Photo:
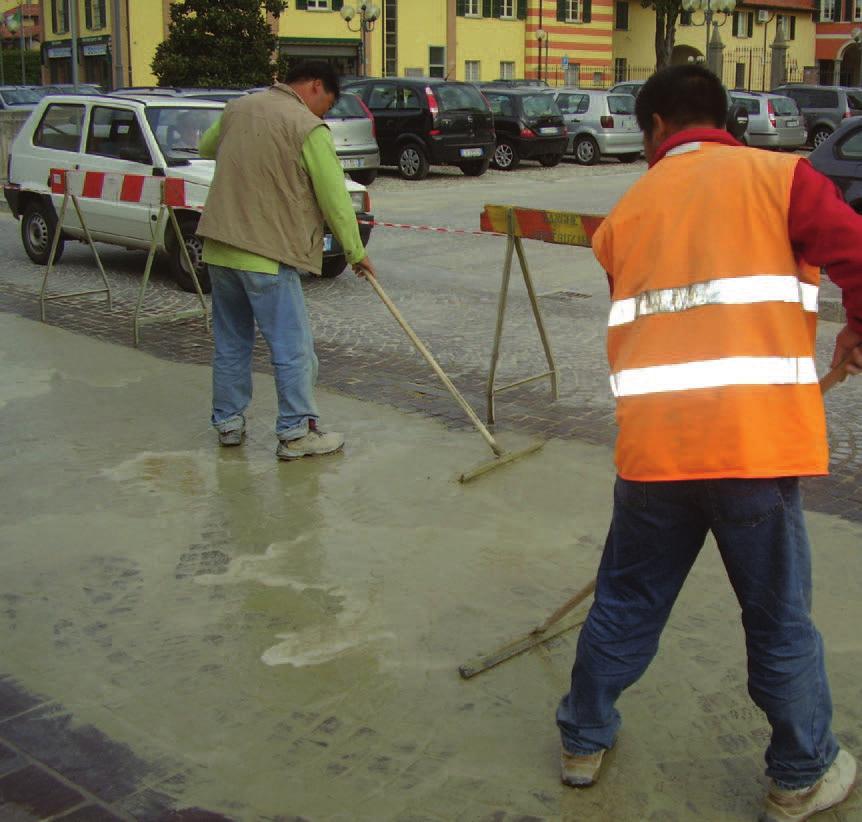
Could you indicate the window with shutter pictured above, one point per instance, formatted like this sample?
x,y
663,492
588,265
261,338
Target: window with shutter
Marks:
x,y
522,9
621,21
750,27
586,11
487,8
60,16
507,9
561,10
573,11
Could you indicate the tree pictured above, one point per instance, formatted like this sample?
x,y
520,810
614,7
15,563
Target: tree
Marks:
x,y
666,16
223,43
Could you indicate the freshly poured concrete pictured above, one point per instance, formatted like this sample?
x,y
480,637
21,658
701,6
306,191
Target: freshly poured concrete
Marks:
x,y
287,634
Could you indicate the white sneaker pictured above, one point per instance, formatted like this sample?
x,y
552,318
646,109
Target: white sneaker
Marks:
x,y
313,444
784,805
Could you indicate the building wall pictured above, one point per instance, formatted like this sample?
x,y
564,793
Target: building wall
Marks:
x,y
94,47
490,42
147,26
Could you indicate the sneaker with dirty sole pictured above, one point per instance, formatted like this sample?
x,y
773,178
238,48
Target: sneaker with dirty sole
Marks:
x,y
313,444
229,438
784,805
580,770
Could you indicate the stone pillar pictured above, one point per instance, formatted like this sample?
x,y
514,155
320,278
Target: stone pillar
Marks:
x,y
715,54
778,72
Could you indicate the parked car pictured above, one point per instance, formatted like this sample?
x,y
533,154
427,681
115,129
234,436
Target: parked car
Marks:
x,y
517,83
71,88
839,157
19,98
737,116
353,132
774,120
423,122
600,123
150,136
823,107
529,126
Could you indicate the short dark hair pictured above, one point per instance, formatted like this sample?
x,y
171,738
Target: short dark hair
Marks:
x,y
315,70
682,95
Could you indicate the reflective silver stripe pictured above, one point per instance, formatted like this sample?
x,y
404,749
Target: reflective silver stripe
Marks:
x,y
757,288
685,148
713,374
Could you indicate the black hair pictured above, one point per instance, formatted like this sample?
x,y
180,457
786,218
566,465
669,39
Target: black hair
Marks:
x,y
315,70
682,95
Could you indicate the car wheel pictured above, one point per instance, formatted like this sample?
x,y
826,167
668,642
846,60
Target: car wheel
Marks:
x,y
38,224
333,266
365,178
195,247
550,160
820,136
630,157
586,151
506,156
475,168
412,162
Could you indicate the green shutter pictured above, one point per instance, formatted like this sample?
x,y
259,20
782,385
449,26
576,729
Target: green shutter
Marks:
x,y
88,14
750,23
496,8
486,8
337,5
460,7
587,15
522,9
301,5
561,10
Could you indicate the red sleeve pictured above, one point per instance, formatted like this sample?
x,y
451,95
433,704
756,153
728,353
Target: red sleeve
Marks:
x,y
826,232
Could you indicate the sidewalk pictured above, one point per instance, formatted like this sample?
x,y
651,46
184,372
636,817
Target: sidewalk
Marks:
x,y
195,633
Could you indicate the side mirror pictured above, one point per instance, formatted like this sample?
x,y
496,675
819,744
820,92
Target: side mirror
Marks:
x,y
737,121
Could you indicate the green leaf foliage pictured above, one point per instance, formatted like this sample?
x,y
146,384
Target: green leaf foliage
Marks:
x,y
221,43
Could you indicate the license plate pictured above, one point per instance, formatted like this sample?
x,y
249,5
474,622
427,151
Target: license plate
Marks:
x,y
471,152
549,130
327,242
792,123
356,162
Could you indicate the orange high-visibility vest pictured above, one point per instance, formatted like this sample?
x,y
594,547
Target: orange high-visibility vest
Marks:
x,y
712,322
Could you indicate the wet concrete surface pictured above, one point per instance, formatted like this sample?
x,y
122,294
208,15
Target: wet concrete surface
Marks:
x,y
185,627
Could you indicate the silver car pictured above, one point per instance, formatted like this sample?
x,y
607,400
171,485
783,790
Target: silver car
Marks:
x,y
600,123
353,132
774,120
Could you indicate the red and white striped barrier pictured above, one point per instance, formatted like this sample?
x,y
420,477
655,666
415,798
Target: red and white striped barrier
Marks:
x,y
129,188
434,229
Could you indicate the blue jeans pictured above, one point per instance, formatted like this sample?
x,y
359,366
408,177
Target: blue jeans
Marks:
x,y
657,531
275,302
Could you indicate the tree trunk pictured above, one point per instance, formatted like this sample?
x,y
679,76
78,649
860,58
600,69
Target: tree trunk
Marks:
x,y
665,33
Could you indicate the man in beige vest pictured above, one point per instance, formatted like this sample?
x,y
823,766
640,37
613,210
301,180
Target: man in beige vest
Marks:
x,y
277,179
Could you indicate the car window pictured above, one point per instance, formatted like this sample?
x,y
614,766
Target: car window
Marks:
x,y
539,105
178,130
115,132
451,97
383,96
854,101
501,105
784,106
751,105
568,103
60,127
348,107
621,104
850,147
408,99
822,98
21,96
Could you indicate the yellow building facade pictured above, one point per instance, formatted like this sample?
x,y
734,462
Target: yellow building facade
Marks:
x,y
747,36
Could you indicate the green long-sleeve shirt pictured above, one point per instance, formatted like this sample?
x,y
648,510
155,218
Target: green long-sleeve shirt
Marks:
x,y
327,177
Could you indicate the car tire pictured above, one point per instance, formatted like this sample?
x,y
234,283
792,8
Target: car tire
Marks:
x,y
586,150
475,168
333,266
365,178
38,224
195,246
412,162
506,156
630,157
819,136
550,160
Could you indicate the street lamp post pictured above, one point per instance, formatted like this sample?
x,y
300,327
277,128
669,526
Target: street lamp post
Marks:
x,y
542,36
368,14
710,8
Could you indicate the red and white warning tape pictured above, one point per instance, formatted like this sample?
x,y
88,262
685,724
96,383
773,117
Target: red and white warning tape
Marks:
x,y
432,228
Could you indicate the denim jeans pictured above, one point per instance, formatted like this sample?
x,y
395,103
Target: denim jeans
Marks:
x,y
656,533
275,302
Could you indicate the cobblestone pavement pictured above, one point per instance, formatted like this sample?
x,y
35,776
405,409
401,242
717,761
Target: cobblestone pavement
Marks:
x,y
446,286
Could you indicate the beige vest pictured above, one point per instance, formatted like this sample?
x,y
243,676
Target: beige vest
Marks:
x,y
261,198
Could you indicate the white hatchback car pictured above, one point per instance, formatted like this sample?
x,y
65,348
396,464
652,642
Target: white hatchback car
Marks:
x,y
151,136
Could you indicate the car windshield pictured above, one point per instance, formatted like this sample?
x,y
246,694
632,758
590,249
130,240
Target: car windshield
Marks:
x,y
784,106
20,96
452,97
621,104
348,107
178,129
751,105
539,105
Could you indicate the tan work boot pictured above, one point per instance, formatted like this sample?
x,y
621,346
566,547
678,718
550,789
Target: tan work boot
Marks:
x,y
314,444
785,805
580,770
